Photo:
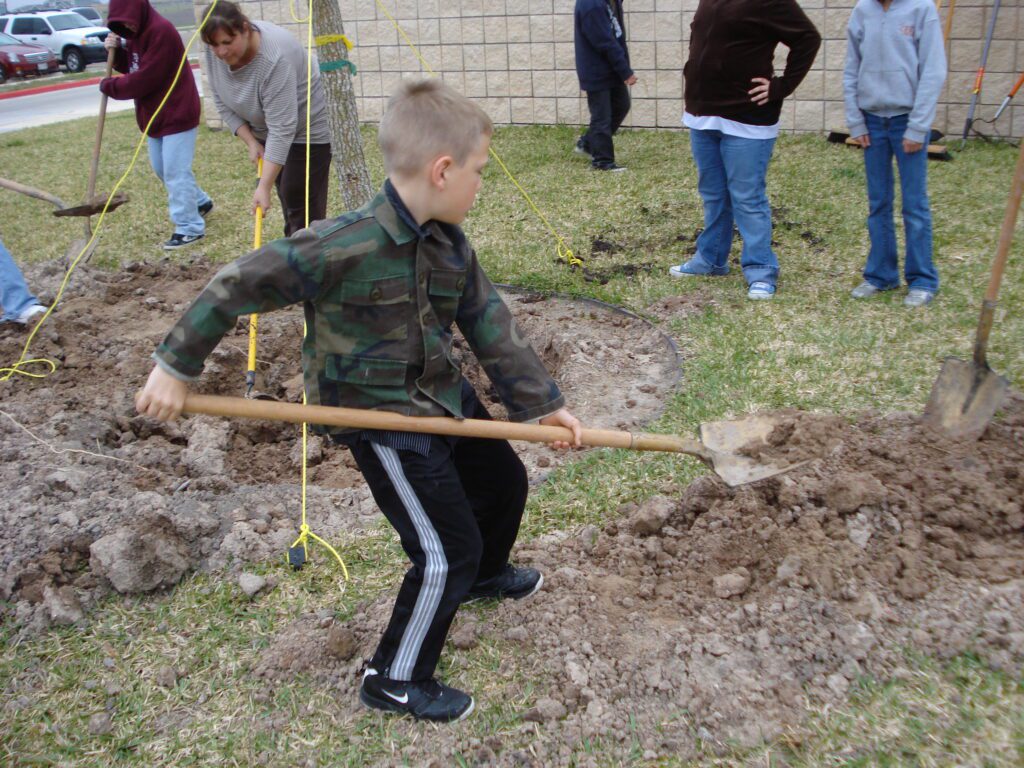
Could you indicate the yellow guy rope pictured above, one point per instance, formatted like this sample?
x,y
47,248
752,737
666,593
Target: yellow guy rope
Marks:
x,y
6,373
564,251
304,531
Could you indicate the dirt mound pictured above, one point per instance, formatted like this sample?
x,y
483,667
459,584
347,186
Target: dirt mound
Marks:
x,y
707,613
718,613
90,483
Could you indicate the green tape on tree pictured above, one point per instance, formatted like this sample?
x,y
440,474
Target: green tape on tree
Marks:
x,y
330,66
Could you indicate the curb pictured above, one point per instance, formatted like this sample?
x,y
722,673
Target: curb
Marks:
x,y
57,87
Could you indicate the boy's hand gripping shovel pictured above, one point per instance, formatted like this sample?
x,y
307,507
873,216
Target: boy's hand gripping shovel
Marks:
x,y
718,447
966,395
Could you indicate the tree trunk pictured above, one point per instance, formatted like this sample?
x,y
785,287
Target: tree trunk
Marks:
x,y
346,141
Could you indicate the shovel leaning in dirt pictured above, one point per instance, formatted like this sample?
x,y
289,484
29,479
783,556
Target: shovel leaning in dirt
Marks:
x,y
966,395
93,204
719,446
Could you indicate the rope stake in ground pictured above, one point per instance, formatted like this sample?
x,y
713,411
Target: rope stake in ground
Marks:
x,y
562,248
298,551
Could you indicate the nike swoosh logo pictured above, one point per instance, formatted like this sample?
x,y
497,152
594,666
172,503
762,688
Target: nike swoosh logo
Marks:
x,y
403,699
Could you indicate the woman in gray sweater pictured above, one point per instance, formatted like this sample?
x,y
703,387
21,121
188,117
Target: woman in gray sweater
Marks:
x,y
257,72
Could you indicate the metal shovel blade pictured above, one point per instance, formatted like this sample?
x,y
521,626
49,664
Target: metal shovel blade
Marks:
x,y
725,440
964,399
93,205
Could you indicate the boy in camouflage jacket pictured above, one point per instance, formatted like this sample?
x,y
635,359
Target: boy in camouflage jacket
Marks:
x,y
380,287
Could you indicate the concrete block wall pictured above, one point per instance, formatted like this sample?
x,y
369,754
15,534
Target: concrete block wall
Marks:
x,y
516,58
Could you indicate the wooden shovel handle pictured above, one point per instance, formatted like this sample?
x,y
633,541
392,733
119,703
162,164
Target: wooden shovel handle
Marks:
x,y
32,192
1006,234
988,308
91,189
237,407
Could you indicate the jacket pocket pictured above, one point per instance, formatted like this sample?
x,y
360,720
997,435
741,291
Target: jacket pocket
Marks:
x,y
375,309
886,89
445,289
367,371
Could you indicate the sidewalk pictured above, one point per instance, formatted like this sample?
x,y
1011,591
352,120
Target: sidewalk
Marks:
x,y
47,88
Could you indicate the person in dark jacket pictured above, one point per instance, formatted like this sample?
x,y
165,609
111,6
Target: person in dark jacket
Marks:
x,y
602,65
733,102
149,51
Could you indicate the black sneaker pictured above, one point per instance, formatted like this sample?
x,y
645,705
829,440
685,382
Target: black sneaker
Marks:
x,y
512,582
180,241
611,167
425,700
205,208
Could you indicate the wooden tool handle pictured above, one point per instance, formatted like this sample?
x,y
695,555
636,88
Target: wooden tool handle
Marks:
x,y
32,192
1006,234
91,189
237,407
988,307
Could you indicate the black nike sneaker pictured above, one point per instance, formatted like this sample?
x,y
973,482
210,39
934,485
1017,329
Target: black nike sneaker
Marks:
x,y
512,582
179,240
424,700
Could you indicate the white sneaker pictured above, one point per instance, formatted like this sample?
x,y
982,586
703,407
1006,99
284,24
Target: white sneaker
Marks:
x,y
760,291
29,315
918,297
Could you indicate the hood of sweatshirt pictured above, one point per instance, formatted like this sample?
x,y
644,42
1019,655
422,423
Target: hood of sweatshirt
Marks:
x,y
124,16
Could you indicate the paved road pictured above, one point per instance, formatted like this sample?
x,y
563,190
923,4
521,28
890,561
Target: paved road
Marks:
x,y
57,106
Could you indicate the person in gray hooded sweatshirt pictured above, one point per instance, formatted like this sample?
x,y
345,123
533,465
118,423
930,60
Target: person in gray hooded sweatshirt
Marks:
x,y
895,68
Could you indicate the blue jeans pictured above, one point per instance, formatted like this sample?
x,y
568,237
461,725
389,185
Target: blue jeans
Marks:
x,y
171,158
882,268
15,296
731,180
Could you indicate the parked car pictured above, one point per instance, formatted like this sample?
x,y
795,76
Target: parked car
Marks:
x,y
75,40
18,59
89,13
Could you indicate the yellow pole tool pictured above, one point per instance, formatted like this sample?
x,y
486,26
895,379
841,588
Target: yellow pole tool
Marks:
x,y
257,241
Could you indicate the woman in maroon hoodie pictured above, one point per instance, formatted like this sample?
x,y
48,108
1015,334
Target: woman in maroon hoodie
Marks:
x,y
733,101
149,50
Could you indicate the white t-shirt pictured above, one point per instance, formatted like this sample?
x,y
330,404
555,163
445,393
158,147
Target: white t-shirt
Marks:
x,y
730,127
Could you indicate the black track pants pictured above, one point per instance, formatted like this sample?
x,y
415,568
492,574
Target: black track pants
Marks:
x,y
457,512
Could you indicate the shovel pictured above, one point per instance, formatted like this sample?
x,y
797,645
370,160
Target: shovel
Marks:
x,y
89,208
718,447
966,395
62,209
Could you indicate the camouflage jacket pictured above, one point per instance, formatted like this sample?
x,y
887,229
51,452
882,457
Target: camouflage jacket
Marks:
x,y
379,304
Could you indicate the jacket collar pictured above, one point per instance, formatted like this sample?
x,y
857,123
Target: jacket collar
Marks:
x,y
394,218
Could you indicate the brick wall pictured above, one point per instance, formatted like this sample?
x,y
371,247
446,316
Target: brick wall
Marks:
x,y
516,58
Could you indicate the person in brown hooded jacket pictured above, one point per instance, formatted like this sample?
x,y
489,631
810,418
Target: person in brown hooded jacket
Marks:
x,y
733,102
148,53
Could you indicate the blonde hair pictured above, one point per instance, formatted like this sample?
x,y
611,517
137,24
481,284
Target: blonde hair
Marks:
x,y
426,119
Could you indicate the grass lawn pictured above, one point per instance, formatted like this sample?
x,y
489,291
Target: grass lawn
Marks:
x,y
812,347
